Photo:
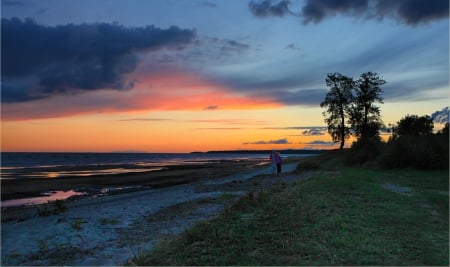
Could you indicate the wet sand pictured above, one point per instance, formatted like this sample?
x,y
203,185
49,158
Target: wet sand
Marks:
x,y
109,230
167,176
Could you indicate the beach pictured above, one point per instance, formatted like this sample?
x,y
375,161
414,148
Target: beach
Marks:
x,y
109,228
164,175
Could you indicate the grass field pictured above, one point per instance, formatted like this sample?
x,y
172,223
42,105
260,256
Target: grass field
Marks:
x,y
341,216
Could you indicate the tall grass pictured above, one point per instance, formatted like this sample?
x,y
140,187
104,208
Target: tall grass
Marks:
x,y
335,218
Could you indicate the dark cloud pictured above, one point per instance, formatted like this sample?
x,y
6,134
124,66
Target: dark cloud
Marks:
x,y
211,108
270,142
73,58
317,10
411,12
234,46
269,8
292,46
320,143
293,128
314,131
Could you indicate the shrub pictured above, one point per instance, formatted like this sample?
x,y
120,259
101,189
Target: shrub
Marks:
x,y
364,152
52,208
307,166
421,152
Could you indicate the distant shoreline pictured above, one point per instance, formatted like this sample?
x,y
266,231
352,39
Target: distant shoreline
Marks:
x,y
265,151
237,151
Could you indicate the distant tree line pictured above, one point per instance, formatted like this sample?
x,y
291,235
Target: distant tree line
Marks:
x,y
413,144
351,110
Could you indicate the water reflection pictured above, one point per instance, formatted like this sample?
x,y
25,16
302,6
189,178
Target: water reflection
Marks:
x,y
49,196
39,172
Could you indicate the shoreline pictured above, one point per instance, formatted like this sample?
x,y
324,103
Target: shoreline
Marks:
x,y
164,176
108,230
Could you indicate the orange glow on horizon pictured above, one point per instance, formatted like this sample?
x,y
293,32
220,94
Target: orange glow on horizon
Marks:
x,y
163,113
153,93
168,131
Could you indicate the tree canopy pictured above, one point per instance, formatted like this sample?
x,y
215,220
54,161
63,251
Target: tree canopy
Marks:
x,y
337,101
413,125
365,116
351,107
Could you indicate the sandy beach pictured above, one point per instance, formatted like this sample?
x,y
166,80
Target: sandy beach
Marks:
x,y
110,229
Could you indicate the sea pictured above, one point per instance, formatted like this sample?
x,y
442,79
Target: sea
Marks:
x,y
41,165
17,165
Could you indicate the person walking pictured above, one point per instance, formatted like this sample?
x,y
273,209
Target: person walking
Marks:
x,y
273,164
278,162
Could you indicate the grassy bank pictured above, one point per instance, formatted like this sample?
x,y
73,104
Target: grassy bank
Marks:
x,y
341,216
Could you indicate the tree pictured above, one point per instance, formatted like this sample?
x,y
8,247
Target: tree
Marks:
x,y
413,125
444,130
365,116
337,101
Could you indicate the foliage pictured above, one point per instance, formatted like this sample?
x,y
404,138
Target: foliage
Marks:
x,y
365,152
402,151
337,101
412,145
413,125
421,152
365,117
351,107
444,130
308,165
51,208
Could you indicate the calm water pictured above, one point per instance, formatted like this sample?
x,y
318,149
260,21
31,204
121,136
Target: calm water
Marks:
x,y
53,165
16,165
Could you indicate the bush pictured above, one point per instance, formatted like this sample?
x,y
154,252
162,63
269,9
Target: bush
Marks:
x,y
364,152
421,152
307,166
52,208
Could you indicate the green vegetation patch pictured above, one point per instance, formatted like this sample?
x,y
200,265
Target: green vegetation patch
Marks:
x,y
345,219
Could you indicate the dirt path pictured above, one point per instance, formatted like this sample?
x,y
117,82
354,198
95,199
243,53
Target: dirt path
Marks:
x,y
109,230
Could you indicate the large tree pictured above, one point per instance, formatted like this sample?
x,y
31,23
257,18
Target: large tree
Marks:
x,y
337,101
365,116
413,125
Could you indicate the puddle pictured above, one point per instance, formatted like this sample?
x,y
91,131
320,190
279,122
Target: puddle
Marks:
x,y
50,196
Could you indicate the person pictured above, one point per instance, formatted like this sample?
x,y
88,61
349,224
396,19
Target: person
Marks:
x,y
273,164
278,162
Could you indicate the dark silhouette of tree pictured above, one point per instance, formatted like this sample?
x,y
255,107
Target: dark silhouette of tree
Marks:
x,y
365,118
444,130
413,125
337,101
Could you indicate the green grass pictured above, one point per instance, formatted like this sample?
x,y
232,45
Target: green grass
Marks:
x,y
345,218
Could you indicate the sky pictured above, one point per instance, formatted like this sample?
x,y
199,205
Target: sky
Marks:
x,y
201,75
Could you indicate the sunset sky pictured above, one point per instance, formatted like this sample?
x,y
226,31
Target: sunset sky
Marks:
x,y
188,75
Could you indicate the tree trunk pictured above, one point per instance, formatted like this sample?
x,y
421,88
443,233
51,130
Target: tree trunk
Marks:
x,y
342,129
